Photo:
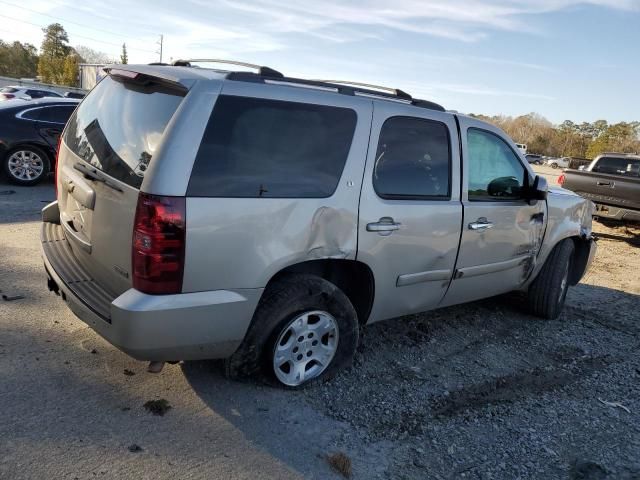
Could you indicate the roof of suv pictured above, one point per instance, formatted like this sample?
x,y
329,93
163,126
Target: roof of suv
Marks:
x,y
186,75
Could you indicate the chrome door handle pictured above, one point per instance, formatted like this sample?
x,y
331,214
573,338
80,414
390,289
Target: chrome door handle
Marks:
x,y
481,224
384,226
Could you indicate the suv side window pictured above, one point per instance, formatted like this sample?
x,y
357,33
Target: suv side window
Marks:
x,y
495,171
254,147
413,159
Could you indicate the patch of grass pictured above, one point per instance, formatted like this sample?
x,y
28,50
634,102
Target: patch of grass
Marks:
x,y
157,407
341,463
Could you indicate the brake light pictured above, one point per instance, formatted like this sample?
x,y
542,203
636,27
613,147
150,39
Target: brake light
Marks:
x,y
8,96
57,165
157,259
561,179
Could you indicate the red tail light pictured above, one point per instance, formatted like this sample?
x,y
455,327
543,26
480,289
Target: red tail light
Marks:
x,y
159,229
8,96
561,179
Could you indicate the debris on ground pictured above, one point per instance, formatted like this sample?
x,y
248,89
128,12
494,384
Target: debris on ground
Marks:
x,y
94,351
158,407
155,367
129,373
341,463
614,405
135,448
10,298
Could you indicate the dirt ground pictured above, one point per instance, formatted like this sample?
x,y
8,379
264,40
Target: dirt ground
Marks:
x,y
482,390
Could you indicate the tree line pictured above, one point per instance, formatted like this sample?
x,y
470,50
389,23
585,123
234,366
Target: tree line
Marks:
x,y
57,62
569,139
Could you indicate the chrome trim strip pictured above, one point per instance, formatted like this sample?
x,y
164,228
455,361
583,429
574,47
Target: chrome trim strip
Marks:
x,y
491,267
430,276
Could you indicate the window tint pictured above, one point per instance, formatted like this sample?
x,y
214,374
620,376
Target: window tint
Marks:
x,y
269,148
618,166
118,128
56,114
495,173
413,159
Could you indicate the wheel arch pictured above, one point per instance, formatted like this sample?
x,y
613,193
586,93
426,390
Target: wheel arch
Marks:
x,y
354,278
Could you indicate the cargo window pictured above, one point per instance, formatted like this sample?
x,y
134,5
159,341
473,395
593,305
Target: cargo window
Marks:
x,y
413,160
495,172
119,127
255,147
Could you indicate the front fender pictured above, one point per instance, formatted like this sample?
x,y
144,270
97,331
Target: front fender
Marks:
x,y
569,216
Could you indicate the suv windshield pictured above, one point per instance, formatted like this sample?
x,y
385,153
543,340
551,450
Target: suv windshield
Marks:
x,y
119,127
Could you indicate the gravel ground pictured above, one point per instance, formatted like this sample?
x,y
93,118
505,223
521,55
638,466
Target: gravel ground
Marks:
x,y
482,390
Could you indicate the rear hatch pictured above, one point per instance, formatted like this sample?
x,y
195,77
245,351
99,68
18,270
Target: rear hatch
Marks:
x,y
106,148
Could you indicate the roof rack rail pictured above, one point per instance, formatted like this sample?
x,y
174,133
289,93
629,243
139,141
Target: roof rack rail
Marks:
x,y
394,91
262,70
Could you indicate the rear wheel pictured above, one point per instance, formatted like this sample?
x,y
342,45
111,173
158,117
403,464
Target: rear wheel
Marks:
x,y
554,165
305,328
547,293
26,165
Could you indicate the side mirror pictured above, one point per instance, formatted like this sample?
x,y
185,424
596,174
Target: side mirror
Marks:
x,y
538,191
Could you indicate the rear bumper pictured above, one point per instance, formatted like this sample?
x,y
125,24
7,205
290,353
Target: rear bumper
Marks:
x,y
616,213
185,326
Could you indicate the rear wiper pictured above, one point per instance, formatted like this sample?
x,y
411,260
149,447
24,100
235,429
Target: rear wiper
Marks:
x,y
94,175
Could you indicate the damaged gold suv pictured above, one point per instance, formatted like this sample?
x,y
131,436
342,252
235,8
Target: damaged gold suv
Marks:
x,y
207,213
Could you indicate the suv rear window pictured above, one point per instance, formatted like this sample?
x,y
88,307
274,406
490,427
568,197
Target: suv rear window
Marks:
x,y
118,127
255,147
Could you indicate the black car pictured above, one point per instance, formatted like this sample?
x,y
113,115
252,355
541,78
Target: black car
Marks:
x,y
534,158
29,132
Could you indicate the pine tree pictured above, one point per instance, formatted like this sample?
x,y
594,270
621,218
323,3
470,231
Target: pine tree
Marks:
x,y
124,58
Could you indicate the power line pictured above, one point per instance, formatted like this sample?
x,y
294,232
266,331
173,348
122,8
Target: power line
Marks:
x,y
60,18
77,35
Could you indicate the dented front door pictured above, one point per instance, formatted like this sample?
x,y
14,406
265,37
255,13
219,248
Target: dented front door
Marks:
x,y
501,231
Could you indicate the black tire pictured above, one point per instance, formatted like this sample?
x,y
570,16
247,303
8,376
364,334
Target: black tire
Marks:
x,y
554,165
283,301
46,163
547,293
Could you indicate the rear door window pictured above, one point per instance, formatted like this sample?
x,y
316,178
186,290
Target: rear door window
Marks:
x,y
255,147
413,159
118,127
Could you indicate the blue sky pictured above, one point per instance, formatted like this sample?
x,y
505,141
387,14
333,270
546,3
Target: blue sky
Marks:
x,y
561,58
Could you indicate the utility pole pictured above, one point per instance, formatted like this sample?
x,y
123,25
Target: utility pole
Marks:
x,y
160,43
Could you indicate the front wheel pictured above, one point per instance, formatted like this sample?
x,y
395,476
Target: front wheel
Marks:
x,y
26,165
304,329
554,165
547,293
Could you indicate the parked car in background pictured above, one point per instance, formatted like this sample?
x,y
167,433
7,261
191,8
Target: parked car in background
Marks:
x,y
612,181
330,206
24,92
74,95
559,162
29,133
534,158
